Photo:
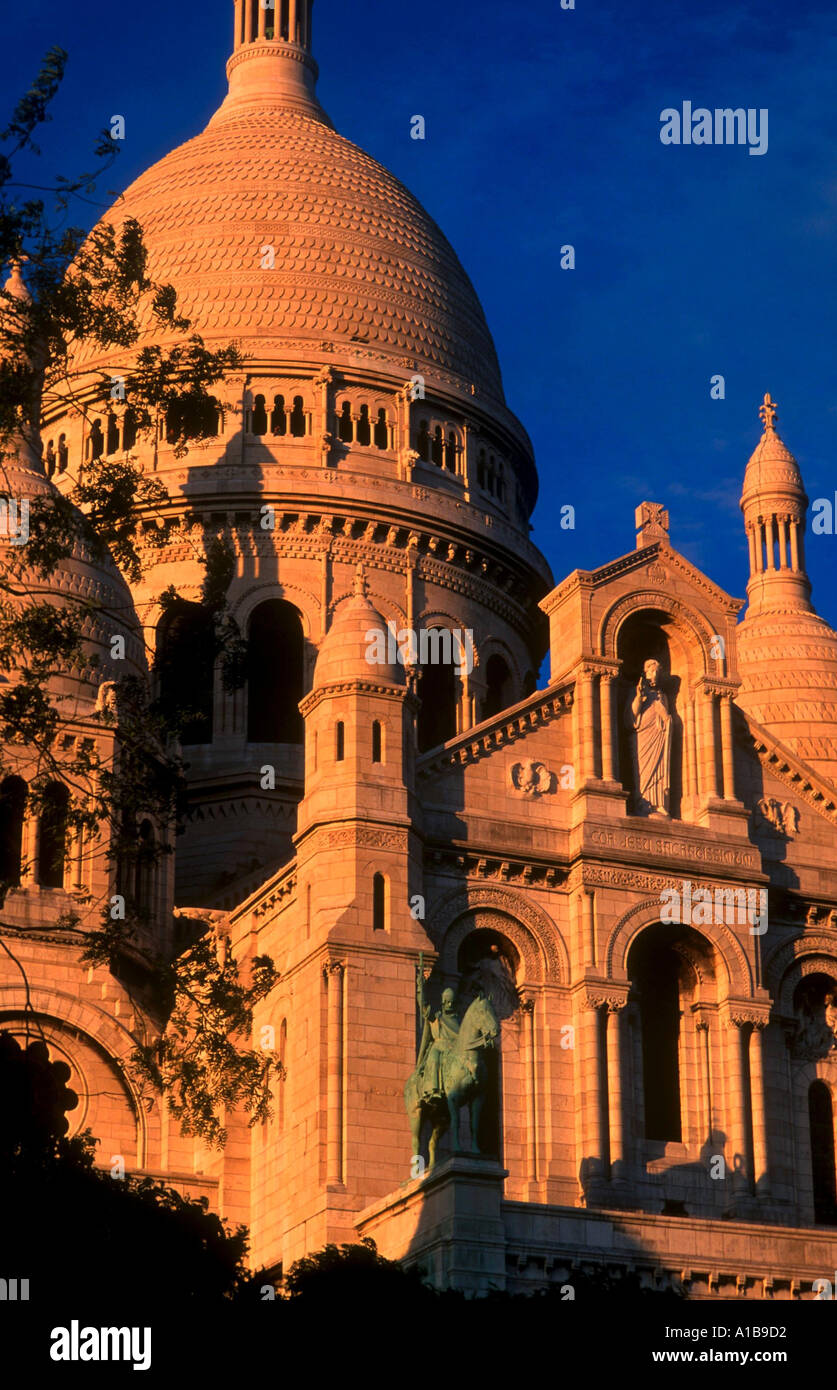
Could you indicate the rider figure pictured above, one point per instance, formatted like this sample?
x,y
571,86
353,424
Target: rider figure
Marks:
x,y
438,1037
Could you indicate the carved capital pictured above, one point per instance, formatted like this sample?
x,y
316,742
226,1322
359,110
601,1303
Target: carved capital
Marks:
x,y
739,1017
594,997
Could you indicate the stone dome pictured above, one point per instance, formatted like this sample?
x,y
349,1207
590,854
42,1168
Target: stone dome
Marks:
x,y
84,578
772,469
343,654
359,268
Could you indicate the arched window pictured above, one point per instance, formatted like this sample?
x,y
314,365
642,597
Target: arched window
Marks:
x,y
50,459
298,418
12,810
112,445
501,485
196,416
481,469
278,418
379,903
144,870
275,674
437,450
185,666
437,690
381,430
52,840
654,969
259,418
377,741
63,453
345,424
821,1120
340,742
423,442
364,429
498,687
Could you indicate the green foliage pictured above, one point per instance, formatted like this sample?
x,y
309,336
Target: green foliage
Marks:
x,y
200,1060
60,1214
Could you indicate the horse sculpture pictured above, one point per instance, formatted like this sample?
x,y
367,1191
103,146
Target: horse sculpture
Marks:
x,y
463,1076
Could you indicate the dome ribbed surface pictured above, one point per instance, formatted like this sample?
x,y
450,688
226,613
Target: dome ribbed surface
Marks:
x,y
358,262
788,664
771,468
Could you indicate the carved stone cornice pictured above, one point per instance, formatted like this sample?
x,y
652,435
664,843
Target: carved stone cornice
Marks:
x,y
777,759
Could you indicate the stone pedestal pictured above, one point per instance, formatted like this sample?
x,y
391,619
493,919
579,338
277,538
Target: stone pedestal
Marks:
x,y
449,1223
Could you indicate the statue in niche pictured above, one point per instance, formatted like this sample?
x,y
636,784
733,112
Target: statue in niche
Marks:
x,y
816,1025
450,1069
649,717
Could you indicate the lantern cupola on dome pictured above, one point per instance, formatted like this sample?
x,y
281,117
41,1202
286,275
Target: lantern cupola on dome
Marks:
x,y
271,63
787,653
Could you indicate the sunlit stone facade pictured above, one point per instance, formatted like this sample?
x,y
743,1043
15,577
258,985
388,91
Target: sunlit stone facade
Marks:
x,y
663,1095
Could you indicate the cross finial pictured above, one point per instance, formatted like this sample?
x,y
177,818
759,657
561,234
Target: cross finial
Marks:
x,y
768,412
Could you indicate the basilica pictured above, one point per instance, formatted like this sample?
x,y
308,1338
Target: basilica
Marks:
x,y
413,840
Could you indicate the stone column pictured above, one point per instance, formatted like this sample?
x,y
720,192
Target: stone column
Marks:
x,y
532,1084
263,19
334,973
737,1107
320,423
759,538
757,1098
292,22
705,1066
770,535
239,16
606,702
728,756
710,766
584,746
794,544
751,541
688,751
594,1136
588,926
29,850
783,542
614,1089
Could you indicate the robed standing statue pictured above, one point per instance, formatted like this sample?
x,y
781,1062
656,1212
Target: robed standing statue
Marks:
x,y
649,717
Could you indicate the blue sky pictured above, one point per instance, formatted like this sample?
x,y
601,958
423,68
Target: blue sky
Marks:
x,y
543,129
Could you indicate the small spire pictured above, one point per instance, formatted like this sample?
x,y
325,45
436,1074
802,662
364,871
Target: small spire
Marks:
x,y
361,586
768,412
